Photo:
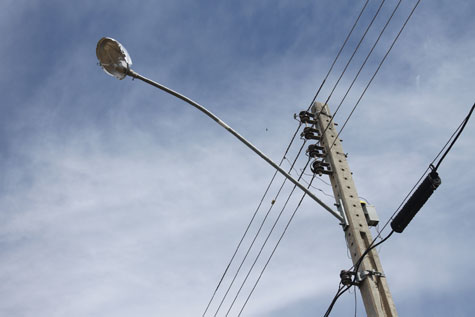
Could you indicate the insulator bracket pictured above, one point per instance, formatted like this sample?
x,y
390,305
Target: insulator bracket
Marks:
x,y
310,133
315,151
307,117
321,167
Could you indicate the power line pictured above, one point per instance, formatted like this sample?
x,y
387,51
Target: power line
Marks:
x,y
338,54
371,247
273,251
255,236
351,58
363,64
453,138
247,229
379,66
341,290
464,123
265,242
457,132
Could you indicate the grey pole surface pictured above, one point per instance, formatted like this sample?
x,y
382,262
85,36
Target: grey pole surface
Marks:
x,y
134,74
374,288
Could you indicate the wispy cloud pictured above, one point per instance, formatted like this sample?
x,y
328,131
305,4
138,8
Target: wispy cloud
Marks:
x,y
117,199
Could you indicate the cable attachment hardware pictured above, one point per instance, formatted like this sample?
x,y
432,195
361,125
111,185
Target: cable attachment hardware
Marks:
x,y
321,167
315,151
310,133
347,277
307,117
352,278
360,276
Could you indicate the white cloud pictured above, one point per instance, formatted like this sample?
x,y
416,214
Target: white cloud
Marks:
x,y
118,200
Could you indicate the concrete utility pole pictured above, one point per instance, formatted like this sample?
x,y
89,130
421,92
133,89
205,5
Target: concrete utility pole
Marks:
x,y
372,284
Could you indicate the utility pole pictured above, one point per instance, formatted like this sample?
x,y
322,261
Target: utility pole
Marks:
x,y
370,279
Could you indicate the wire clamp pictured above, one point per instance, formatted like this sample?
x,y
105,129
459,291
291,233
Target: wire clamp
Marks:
x,y
352,278
361,276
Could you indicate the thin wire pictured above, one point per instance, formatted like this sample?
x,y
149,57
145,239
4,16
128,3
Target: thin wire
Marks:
x,y
341,291
363,65
356,266
324,182
320,190
349,61
306,182
425,172
379,66
275,248
264,244
366,200
458,131
360,260
255,237
338,54
356,302
464,123
447,143
249,225
340,287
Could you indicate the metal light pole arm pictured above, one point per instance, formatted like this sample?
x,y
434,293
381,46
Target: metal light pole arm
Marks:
x,y
237,135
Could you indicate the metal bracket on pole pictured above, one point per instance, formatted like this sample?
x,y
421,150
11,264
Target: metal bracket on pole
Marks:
x,y
344,220
361,276
356,278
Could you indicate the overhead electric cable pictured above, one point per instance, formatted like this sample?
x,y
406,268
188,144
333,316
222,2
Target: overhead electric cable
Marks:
x,y
362,65
457,133
464,123
352,55
275,247
265,242
341,290
379,66
256,235
451,140
249,225
338,54
371,247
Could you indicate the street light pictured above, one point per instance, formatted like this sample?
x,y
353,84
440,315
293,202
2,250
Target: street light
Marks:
x,y
115,61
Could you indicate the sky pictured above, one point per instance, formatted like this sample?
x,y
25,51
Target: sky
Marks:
x,y
117,199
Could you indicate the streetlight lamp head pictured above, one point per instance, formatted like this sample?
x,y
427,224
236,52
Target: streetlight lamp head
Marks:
x,y
113,57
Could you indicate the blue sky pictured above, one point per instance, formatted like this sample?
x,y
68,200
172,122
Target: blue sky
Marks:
x,y
119,200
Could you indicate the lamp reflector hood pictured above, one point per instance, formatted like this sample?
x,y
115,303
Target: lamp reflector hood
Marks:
x,y
113,57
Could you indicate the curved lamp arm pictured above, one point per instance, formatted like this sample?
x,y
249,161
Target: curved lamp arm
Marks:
x,y
115,61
